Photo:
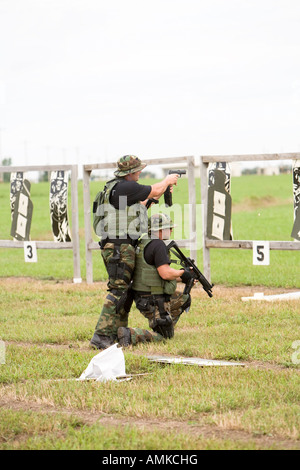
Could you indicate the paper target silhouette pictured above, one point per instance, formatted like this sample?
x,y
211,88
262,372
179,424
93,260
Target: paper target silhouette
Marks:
x,y
22,208
219,203
59,206
296,189
222,166
16,184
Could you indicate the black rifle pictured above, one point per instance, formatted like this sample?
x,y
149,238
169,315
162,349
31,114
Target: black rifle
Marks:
x,y
195,272
167,193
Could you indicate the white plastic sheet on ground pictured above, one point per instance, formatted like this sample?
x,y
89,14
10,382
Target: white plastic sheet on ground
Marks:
x,y
193,361
109,364
270,298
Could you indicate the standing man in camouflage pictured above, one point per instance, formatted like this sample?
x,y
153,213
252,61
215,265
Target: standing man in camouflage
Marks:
x,y
154,286
123,222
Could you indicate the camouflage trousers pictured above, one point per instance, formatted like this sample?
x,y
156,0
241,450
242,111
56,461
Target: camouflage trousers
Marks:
x,y
119,261
175,306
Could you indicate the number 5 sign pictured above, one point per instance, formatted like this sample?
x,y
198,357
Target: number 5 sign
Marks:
x,y
261,253
30,252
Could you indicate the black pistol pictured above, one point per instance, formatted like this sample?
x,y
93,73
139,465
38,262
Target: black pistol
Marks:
x,y
167,193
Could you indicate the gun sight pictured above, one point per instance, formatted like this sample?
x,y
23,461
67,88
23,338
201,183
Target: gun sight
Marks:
x,y
177,172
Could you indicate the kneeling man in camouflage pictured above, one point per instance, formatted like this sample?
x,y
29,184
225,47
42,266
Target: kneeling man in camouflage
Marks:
x,y
154,286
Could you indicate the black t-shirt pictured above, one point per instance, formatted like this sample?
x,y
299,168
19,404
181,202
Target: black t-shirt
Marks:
x,y
156,253
133,191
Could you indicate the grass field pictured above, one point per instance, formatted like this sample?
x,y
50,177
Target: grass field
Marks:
x,y
46,322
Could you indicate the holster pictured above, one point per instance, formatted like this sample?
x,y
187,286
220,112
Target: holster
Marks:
x,y
115,268
124,302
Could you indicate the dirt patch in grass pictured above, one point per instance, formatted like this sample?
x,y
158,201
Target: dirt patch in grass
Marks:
x,y
219,291
195,428
48,284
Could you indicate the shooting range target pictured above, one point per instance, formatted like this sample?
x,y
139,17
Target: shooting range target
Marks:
x,y
16,184
219,202
296,189
59,206
222,166
21,207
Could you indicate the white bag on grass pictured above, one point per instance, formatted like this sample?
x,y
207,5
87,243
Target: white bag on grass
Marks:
x,y
107,365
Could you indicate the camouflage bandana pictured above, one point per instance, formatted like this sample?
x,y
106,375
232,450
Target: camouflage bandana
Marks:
x,y
129,164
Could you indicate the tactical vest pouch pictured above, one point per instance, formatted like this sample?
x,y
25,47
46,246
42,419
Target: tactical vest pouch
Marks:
x,y
143,304
170,287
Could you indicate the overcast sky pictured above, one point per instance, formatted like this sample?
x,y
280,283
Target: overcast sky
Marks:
x,y
84,81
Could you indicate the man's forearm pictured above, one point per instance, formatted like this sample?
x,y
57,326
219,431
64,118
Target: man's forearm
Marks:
x,y
169,274
158,189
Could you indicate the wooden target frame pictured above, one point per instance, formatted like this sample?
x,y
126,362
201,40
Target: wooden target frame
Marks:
x,y
235,244
53,245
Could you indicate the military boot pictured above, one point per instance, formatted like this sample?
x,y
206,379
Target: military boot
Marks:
x,y
124,336
102,342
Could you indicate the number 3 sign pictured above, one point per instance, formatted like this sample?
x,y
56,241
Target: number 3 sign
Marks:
x,y
30,252
261,253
